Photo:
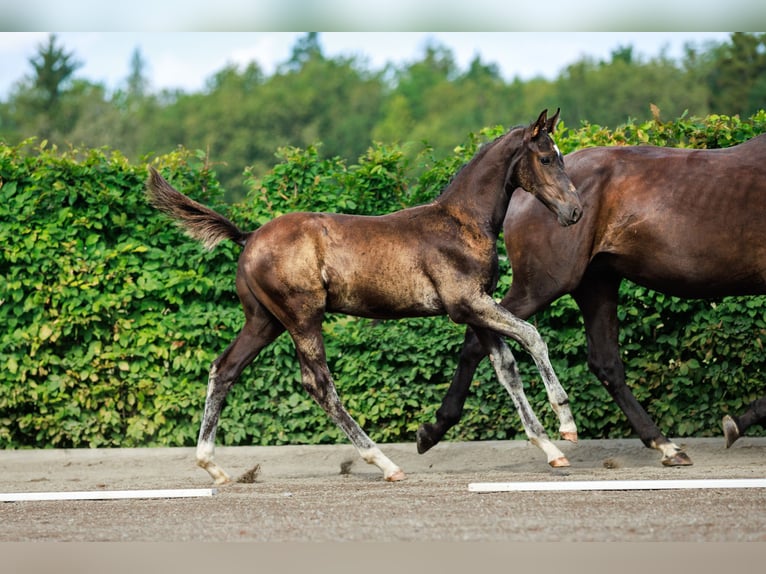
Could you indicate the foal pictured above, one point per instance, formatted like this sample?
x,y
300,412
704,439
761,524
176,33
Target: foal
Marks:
x,y
433,259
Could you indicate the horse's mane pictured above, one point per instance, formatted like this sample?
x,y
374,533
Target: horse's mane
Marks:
x,y
480,153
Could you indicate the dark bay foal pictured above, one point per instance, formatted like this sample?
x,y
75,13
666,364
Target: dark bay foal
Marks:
x,y
433,259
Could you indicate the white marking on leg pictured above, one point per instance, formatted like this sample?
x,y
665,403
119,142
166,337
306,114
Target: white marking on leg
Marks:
x,y
668,449
375,456
205,452
206,444
530,339
506,371
555,457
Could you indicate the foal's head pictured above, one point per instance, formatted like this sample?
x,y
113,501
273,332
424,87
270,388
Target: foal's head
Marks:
x,y
539,170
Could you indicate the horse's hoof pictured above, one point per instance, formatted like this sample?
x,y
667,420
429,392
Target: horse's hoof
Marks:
x,y
730,430
218,475
397,476
571,436
424,439
678,459
559,462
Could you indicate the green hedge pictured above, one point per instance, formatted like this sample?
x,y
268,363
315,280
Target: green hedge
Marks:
x,y
112,316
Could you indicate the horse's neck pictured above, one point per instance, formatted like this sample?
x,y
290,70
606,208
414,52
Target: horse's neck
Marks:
x,y
477,195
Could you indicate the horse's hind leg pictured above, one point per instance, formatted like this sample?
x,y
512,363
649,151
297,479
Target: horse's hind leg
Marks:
x,y
319,384
597,298
508,373
254,336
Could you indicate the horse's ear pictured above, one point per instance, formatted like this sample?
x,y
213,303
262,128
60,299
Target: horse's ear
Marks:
x,y
551,124
539,125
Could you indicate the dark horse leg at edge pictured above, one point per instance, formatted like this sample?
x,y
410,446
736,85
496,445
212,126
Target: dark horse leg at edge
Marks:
x,y
735,426
689,223
434,259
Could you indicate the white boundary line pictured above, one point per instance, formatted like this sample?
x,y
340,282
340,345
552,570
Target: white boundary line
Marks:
x,y
106,494
560,486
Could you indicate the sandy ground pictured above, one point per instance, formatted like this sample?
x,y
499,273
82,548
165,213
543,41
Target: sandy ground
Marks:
x,y
327,494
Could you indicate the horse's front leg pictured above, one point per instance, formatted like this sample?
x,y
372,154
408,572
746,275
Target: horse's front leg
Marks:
x,y
508,373
451,409
319,384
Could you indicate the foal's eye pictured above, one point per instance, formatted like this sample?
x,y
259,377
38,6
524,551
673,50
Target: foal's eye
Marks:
x,y
545,160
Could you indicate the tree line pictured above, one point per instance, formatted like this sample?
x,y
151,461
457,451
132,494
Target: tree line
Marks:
x,y
243,115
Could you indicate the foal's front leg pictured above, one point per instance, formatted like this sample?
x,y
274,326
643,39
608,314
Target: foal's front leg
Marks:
x,y
525,333
487,314
508,373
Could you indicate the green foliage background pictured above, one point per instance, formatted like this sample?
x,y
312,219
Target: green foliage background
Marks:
x,y
112,316
243,113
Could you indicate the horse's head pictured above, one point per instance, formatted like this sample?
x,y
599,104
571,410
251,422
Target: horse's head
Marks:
x,y
539,169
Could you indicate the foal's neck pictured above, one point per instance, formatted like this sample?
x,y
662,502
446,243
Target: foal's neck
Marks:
x,y
478,196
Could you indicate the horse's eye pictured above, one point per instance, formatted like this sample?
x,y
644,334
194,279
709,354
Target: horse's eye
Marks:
x,y
545,160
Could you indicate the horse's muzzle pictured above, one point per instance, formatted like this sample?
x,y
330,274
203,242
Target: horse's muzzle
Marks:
x,y
567,219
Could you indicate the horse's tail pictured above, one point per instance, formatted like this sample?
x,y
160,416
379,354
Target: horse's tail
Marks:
x,y
200,222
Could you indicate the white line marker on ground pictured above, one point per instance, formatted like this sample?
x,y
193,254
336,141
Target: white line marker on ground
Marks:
x,y
616,485
106,494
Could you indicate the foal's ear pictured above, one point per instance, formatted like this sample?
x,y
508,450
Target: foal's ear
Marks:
x,y
539,125
551,123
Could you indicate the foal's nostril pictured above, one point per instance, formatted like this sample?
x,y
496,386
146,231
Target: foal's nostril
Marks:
x,y
576,214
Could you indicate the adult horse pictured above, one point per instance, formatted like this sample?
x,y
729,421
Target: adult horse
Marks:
x,y
434,259
689,223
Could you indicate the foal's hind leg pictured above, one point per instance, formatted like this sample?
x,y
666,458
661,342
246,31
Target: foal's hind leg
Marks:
x,y
319,384
254,336
509,376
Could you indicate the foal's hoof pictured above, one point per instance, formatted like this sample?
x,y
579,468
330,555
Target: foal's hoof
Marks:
x,y
397,476
570,436
424,438
730,430
219,475
678,459
559,462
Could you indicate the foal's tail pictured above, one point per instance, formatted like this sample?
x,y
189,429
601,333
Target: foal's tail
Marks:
x,y
200,222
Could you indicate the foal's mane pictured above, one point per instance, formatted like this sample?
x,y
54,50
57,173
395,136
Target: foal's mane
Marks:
x,y
480,153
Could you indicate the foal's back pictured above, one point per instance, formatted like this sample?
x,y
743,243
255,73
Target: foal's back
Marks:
x,y
396,265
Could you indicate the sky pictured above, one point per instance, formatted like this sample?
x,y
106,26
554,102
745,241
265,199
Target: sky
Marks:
x,y
186,60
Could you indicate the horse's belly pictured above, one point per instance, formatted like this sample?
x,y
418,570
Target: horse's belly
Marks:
x,y
391,299
697,279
